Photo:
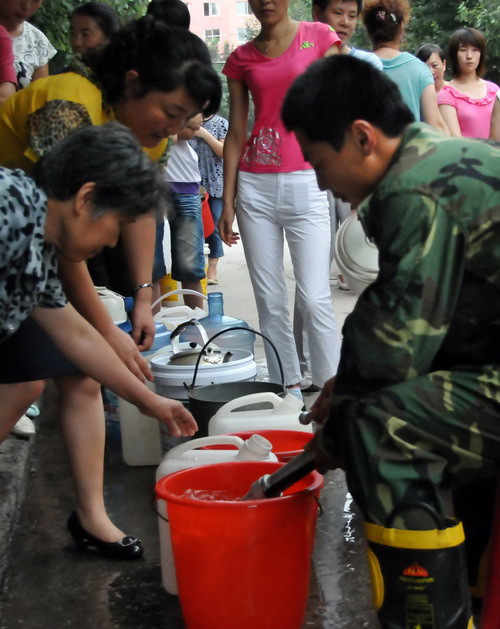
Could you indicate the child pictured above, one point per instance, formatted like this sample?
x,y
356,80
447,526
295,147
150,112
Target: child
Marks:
x,y
32,50
208,143
186,228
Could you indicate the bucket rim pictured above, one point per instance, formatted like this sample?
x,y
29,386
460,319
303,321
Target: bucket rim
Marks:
x,y
161,493
194,393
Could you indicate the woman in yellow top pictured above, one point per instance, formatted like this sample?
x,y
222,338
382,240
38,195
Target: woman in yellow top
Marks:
x,y
152,79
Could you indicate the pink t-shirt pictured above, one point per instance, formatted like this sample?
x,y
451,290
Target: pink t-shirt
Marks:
x,y
474,114
7,70
271,148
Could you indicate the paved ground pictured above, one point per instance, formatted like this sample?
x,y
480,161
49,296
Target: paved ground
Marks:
x,y
48,585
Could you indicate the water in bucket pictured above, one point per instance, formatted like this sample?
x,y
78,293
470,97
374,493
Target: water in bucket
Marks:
x,y
241,565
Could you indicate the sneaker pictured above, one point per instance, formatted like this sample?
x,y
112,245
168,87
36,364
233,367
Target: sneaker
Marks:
x,y
306,386
33,411
24,427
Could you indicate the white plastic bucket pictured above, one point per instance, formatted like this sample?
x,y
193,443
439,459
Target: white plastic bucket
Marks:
x,y
171,380
356,256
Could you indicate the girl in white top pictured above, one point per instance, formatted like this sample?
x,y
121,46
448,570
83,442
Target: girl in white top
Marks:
x,y
32,49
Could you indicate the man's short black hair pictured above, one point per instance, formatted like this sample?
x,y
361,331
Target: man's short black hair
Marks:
x,y
323,4
334,92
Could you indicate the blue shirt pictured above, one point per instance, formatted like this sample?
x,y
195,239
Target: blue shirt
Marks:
x,y
412,76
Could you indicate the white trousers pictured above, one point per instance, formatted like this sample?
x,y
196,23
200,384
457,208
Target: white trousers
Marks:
x,y
269,208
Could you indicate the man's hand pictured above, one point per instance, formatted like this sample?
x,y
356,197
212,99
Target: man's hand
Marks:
x,y
320,410
324,461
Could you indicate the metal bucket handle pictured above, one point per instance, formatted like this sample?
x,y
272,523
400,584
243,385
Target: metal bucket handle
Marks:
x,y
191,386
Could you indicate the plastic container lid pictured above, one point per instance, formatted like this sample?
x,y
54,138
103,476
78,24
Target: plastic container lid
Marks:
x,y
241,367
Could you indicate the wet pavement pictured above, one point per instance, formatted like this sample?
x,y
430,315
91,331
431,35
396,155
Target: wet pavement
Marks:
x,y
49,584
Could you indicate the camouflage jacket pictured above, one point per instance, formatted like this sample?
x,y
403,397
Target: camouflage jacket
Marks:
x,y
435,218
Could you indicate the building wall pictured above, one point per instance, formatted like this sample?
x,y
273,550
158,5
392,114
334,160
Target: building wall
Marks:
x,y
223,17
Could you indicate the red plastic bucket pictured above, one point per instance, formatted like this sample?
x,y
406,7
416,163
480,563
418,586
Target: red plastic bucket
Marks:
x,y
241,564
286,443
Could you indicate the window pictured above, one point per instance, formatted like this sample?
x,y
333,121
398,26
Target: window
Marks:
x,y
242,35
211,8
212,35
242,8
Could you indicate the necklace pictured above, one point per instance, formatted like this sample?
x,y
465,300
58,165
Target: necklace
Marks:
x,y
276,42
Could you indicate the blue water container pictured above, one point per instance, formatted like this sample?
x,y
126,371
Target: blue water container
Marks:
x,y
216,321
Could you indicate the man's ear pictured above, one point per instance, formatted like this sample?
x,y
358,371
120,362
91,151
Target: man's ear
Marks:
x,y
84,199
364,136
132,84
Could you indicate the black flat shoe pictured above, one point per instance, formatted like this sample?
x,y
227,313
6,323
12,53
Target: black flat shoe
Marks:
x,y
126,548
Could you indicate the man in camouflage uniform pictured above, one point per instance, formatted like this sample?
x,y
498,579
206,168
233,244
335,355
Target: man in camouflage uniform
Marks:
x,y
415,406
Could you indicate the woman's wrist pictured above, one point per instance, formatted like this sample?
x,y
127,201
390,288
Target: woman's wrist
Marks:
x,y
141,287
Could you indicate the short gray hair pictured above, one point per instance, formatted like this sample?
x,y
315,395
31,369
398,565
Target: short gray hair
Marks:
x,y
126,180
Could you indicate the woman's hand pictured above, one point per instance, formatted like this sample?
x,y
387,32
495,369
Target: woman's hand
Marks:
x,y
172,413
129,354
225,225
143,325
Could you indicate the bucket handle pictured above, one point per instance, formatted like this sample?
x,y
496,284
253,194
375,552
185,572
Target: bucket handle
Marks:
x,y
154,500
249,400
174,337
191,386
217,440
179,291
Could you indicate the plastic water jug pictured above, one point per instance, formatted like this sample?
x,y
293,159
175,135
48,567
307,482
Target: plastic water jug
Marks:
x,y
216,321
187,455
141,439
279,413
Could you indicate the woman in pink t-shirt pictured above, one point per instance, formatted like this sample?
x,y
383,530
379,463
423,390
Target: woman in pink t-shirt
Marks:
x,y
466,102
495,120
276,193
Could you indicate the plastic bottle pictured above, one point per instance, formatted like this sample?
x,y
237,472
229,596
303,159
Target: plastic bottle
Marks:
x,y
187,455
216,321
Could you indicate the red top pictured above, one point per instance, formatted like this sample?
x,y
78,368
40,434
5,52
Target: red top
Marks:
x,y
7,70
271,148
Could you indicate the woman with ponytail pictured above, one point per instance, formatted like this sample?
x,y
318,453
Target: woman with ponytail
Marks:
x,y
385,22
153,79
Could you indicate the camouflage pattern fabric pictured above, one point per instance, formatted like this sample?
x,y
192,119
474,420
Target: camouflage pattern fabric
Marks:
x,y
417,396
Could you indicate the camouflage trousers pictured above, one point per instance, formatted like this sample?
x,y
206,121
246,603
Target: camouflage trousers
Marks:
x,y
413,442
